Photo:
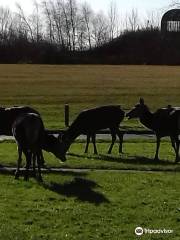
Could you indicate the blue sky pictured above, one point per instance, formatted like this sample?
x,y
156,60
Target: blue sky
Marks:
x,y
123,6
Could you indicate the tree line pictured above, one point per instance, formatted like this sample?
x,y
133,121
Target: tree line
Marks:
x,y
67,31
68,23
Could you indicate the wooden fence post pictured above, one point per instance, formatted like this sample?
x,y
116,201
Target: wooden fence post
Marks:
x,y
66,115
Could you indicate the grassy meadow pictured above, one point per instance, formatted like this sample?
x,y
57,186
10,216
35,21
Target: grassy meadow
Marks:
x,y
138,155
95,204
48,88
90,206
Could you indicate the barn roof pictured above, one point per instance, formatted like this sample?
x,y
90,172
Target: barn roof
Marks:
x,y
172,15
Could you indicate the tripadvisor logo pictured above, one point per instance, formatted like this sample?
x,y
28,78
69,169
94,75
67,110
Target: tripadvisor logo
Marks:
x,y
140,231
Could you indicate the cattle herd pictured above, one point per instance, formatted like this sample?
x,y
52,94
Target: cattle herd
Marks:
x,y
26,125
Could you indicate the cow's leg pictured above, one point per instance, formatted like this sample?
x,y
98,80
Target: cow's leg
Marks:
x,y
39,166
120,135
158,139
177,149
18,162
94,143
113,134
34,158
43,164
28,163
87,143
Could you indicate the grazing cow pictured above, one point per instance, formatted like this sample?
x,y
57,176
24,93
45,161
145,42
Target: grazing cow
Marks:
x,y
28,131
89,121
9,115
31,137
164,122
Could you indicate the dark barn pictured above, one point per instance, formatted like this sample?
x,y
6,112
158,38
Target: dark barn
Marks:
x,y
170,22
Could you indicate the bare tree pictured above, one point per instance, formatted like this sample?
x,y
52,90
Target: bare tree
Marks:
x,y
36,22
87,15
25,22
5,23
133,20
174,3
58,22
67,24
49,20
153,20
81,34
113,20
72,10
100,29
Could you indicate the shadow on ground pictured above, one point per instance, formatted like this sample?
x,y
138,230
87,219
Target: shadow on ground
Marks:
x,y
125,159
10,170
80,188
137,160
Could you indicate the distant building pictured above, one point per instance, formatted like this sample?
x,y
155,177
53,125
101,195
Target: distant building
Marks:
x,y
170,22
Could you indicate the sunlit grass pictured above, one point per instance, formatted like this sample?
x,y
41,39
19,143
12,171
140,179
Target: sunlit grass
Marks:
x,y
138,155
89,206
92,205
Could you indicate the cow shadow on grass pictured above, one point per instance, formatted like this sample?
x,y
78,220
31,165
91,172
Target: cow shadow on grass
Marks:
x,y
127,159
141,160
80,188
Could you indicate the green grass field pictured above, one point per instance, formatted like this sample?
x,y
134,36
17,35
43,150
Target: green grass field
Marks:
x,y
90,206
95,204
138,155
48,88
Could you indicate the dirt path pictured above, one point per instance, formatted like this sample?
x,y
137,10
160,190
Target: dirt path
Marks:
x,y
99,136
11,170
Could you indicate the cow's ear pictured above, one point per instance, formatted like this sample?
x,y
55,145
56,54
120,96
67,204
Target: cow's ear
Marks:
x,y
141,101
